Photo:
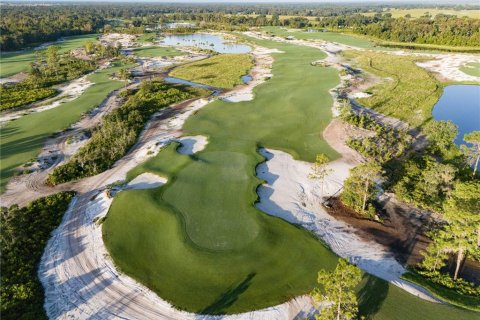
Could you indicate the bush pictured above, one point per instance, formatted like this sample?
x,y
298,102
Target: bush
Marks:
x,y
25,232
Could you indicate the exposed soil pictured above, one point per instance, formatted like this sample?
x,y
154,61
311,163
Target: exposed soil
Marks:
x,y
402,231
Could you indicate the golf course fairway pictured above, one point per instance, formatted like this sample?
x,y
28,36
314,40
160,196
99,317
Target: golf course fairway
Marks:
x,y
199,242
15,62
22,139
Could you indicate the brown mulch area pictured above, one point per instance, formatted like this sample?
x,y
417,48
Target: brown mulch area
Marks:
x,y
402,232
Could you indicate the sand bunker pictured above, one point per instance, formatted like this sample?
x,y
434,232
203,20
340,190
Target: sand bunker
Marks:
x,y
116,39
146,180
290,194
192,144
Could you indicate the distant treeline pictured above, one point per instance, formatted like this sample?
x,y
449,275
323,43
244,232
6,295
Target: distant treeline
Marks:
x,y
439,30
27,25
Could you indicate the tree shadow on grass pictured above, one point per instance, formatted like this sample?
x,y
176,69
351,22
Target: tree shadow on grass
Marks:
x,y
229,297
371,296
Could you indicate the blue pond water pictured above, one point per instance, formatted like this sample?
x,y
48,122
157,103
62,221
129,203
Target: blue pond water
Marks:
x,y
205,41
461,105
247,78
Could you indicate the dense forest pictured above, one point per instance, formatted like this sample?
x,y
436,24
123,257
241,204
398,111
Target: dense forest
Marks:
x,y
25,232
441,29
28,25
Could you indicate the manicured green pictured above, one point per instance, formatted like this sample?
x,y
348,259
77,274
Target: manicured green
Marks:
x,y
472,68
202,232
221,71
350,40
155,51
15,62
443,293
22,139
407,91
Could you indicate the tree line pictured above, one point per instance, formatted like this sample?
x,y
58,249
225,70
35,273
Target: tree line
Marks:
x,y
440,30
439,178
120,129
25,232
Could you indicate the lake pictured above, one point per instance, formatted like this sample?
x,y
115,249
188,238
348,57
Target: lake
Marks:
x,y
461,105
205,41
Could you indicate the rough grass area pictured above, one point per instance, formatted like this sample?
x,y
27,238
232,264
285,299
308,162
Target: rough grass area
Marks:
x,y
155,51
147,37
445,294
350,40
426,46
407,91
472,68
221,71
201,231
15,62
22,139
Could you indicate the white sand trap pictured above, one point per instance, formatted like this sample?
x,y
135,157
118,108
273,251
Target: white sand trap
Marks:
x,y
192,144
146,180
291,195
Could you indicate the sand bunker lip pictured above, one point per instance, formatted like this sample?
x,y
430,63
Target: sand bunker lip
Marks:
x,y
146,180
291,195
192,144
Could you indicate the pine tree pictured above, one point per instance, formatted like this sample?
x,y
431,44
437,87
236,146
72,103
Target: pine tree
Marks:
x,y
338,292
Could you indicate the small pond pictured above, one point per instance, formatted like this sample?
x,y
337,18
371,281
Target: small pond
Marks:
x,y
247,78
461,105
205,41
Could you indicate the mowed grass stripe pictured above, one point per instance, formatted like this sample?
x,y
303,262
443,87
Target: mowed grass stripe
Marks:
x,y
22,139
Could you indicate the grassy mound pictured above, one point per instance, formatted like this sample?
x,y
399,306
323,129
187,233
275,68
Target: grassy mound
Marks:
x,y
221,71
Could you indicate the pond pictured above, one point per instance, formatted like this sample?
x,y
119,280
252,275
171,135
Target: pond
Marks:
x,y
461,105
205,41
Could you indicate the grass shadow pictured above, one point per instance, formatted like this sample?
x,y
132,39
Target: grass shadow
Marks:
x,y
229,297
371,296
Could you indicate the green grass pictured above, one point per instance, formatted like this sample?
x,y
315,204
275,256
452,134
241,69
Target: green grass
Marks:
x,y
22,139
154,51
15,62
426,46
407,92
147,37
199,242
221,71
443,293
472,68
201,231
380,300
347,39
